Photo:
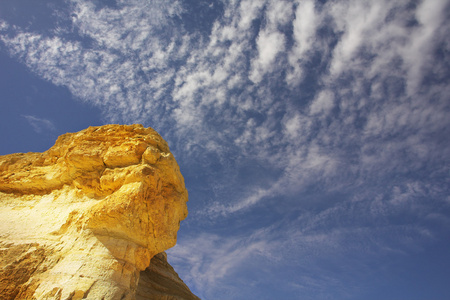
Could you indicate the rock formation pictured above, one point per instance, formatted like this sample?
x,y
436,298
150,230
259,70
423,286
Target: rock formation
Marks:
x,y
83,219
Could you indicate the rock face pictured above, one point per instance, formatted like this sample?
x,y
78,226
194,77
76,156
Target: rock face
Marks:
x,y
84,219
160,281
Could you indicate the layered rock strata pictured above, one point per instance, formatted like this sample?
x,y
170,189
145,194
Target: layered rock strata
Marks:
x,y
160,281
83,219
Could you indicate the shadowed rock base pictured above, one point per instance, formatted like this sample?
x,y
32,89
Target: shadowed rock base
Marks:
x,y
160,282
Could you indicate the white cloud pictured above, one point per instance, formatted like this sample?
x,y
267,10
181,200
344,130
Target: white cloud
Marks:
x,y
40,125
293,126
212,259
241,205
3,25
130,27
323,103
418,52
248,11
377,38
211,263
305,26
358,20
126,66
270,44
278,13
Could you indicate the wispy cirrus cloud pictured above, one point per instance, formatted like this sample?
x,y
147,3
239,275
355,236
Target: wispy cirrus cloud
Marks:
x,y
313,242
40,125
304,34
119,61
270,44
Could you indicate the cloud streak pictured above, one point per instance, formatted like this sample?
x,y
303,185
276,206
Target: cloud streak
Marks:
x,y
40,125
318,244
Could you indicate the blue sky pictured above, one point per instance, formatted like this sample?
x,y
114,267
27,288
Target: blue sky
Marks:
x,y
313,135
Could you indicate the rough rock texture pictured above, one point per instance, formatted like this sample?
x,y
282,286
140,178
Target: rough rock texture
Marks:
x,y
160,281
84,218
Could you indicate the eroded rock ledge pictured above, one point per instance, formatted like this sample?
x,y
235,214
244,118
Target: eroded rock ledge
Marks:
x,y
84,218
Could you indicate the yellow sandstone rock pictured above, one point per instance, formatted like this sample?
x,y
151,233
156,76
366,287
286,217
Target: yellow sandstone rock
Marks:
x,y
84,218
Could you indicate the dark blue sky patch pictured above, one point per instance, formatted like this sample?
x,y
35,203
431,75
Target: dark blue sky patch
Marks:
x,y
199,16
25,94
37,16
100,4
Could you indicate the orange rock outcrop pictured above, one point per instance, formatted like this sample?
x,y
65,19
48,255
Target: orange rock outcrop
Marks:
x,y
83,219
